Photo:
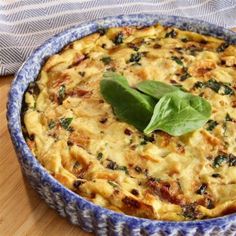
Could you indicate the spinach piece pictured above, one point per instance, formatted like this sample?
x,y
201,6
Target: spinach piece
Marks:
x,y
65,123
178,113
228,117
227,90
135,57
198,84
114,166
128,104
202,189
219,160
177,60
218,87
112,183
222,47
230,159
211,124
61,94
106,60
171,34
119,38
51,124
213,85
155,89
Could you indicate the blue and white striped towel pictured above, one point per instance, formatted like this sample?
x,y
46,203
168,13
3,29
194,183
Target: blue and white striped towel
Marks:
x,y
25,24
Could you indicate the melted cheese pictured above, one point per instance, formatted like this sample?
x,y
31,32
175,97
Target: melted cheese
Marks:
x,y
75,135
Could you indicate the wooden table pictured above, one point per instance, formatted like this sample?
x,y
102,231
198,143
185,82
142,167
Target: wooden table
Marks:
x,y
22,212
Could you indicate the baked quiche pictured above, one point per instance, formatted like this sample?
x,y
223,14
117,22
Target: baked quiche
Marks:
x,y
77,135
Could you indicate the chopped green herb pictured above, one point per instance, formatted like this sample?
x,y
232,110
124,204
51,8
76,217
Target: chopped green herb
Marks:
x,y
61,94
106,60
193,50
222,47
113,184
213,85
119,38
65,123
135,57
51,124
114,166
143,142
149,138
198,84
228,90
202,189
218,87
123,168
228,117
219,160
99,155
211,124
171,34
177,60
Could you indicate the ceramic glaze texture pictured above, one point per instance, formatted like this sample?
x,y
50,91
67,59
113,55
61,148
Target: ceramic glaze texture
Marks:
x,y
79,211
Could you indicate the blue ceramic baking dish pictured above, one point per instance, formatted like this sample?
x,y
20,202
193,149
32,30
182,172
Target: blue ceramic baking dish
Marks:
x,y
79,211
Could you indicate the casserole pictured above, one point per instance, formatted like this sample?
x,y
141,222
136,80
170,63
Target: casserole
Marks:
x,y
40,179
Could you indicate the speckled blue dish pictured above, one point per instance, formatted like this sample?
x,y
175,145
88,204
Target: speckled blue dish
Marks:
x,y
79,211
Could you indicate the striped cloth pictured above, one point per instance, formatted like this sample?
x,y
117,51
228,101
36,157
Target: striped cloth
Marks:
x,y
25,24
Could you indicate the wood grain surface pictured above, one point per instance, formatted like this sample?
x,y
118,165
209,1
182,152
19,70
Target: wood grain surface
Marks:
x,y
22,212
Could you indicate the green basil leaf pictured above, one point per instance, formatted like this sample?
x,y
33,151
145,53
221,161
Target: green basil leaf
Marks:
x,y
156,89
128,104
178,113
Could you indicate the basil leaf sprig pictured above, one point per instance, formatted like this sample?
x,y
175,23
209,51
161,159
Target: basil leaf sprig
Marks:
x,y
156,106
155,89
128,104
178,113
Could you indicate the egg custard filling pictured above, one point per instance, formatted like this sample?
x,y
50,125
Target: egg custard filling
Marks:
x,y
76,135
